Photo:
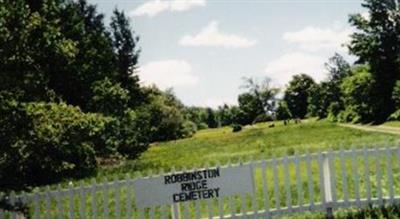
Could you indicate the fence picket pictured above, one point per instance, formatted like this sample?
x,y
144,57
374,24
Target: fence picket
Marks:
x,y
287,183
151,212
105,200
210,208
344,177
232,206
71,201
379,176
221,207
366,173
298,182
198,209
140,213
355,177
243,205
12,202
117,196
36,206
82,201
94,199
310,181
321,178
59,195
47,203
128,193
1,214
276,185
265,188
163,212
186,210
254,195
332,171
390,174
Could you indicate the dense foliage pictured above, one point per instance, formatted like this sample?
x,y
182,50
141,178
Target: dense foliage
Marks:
x,y
70,93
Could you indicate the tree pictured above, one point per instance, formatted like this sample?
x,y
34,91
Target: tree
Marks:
x,y
124,44
212,119
258,101
357,92
297,93
263,91
377,43
327,92
338,68
108,98
250,107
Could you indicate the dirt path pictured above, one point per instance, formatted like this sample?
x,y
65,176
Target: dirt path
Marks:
x,y
378,128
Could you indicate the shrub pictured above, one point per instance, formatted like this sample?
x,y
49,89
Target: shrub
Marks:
x,y
395,116
333,111
202,125
39,140
189,129
236,128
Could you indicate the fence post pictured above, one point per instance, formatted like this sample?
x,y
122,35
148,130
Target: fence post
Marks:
x,y
327,185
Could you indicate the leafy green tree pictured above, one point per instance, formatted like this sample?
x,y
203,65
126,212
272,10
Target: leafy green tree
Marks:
x,y
212,118
166,115
31,39
39,140
225,115
377,43
357,90
108,98
263,91
258,101
127,54
282,111
297,93
250,107
328,92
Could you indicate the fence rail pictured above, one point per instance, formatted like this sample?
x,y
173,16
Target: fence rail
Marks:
x,y
323,182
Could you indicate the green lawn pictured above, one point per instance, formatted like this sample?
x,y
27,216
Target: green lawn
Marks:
x,y
221,145
392,123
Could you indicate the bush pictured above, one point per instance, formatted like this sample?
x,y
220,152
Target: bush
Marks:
x,y
236,128
357,91
189,129
349,115
39,140
202,125
333,111
395,116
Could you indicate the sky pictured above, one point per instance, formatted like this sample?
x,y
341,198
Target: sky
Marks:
x,y
204,48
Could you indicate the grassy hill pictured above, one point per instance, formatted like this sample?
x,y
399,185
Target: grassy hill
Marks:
x,y
221,145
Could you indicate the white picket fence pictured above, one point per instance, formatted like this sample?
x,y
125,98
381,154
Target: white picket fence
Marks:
x,y
323,182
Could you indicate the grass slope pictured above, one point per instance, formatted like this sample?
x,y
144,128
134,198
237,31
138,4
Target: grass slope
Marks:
x,y
221,145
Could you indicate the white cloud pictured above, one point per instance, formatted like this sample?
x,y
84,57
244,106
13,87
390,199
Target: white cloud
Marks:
x,y
212,36
283,68
168,73
154,7
317,39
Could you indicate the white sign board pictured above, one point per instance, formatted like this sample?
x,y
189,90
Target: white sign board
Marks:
x,y
193,185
